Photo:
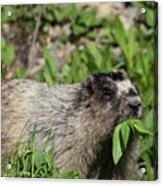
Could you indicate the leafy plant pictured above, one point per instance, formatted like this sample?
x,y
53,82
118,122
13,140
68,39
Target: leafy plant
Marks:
x,y
126,40
121,136
8,54
35,163
49,73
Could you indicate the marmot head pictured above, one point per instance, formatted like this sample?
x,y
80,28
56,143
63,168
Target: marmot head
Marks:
x,y
113,94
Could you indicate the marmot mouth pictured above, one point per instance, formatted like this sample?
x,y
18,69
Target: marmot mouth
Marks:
x,y
132,114
119,119
136,112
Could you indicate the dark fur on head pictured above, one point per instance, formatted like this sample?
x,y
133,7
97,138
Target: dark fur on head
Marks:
x,y
108,88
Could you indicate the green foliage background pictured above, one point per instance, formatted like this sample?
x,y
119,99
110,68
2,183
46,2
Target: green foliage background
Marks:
x,y
138,47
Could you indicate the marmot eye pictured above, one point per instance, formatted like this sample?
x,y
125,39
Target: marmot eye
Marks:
x,y
107,91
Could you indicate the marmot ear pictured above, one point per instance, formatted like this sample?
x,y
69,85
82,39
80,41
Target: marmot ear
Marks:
x,y
123,73
119,75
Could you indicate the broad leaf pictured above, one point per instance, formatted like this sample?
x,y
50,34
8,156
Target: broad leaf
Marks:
x,y
117,150
138,125
125,132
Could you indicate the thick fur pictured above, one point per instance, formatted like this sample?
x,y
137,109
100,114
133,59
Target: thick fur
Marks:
x,y
77,120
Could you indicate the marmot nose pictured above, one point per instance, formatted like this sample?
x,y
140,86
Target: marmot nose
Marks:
x,y
134,102
135,106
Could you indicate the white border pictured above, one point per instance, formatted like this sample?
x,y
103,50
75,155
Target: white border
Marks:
x,y
43,182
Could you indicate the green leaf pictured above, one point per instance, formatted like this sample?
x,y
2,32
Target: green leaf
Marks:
x,y
39,158
146,143
84,57
107,59
149,120
58,15
126,41
71,11
8,54
121,136
66,70
46,28
96,55
120,140
125,132
49,71
47,76
50,61
117,150
20,72
49,157
71,174
78,29
82,74
148,96
131,46
150,17
149,167
91,35
119,35
87,17
138,125
106,32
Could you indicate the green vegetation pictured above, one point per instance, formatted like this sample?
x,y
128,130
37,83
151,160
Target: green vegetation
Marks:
x,y
121,136
35,163
137,57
